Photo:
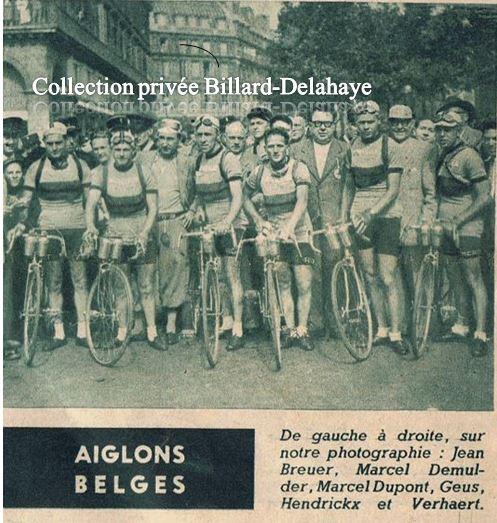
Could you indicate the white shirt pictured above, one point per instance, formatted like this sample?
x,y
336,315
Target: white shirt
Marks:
x,y
321,153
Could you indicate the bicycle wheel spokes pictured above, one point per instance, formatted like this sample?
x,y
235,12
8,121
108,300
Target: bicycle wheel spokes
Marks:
x,y
211,315
109,309
274,318
423,306
32,313
351,310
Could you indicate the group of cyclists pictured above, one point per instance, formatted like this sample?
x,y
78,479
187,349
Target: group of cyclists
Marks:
x,y
288,175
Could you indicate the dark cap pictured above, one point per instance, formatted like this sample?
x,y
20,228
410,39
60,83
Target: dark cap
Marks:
x,y
260,112
141,122
455,101
71,123
14,127
448,119
119,122
14,159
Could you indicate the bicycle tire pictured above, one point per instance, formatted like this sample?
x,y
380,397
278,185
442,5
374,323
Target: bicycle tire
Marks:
x,y
32,313
424,297
211,315
102,315
351,309
274,317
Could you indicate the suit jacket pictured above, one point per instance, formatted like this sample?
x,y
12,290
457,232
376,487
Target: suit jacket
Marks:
x,y
183,168
325,192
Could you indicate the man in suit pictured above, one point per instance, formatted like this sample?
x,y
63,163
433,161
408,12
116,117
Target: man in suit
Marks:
x,y
327,159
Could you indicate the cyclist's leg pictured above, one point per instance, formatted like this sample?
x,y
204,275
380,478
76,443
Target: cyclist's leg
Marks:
x,y
388,267
55,300
80,284
121,305
235,282
460,292
367,261
471,267
303,280
146,276
285,287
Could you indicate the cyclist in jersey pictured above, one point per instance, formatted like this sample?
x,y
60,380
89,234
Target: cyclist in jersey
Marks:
x,y
130,194
284,183
370,196
463,194
59,180
218,191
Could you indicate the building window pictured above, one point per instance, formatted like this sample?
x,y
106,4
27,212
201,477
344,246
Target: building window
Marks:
x,y
195,70
182,68
207,45
207,68
223,48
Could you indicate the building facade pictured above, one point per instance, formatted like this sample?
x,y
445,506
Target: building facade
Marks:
x,y
230,31
85,40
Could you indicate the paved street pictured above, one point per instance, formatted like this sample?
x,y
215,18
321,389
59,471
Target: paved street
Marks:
x,y
448,378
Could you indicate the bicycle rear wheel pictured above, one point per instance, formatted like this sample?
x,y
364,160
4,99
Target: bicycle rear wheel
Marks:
x,y
423,306
110,306
211,315
32,313
274,317
351,309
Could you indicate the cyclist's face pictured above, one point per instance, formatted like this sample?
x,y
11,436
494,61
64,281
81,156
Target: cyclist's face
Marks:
x,y
123,154
56,147
168,144
298,129
447,136
368,125
235,137
322,127
426,131
488,144
400,128
276,148
101,148
206,138
13,172
258,127
9,145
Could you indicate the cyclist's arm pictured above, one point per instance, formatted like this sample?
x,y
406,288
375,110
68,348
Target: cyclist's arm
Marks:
x,y
249,206
481,193
347,197
300,206
428,185
393,186
151,214
94,195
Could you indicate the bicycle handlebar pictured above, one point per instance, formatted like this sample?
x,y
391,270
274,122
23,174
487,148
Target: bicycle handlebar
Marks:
x,y
272,236
40,233
204,231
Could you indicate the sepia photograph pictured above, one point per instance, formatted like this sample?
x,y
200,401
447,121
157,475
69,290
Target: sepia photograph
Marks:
x,y
249,205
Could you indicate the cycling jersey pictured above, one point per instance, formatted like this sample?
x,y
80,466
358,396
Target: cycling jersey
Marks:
x,y
371,164
124,193
59,191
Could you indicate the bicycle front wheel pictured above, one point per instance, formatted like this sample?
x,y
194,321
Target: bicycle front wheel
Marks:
x,y
211,315
423,306
274,316
351,309
109,308
32,313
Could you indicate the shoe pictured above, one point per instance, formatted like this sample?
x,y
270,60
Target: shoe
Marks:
x,y
157,343
400,347
381,341
288,338
235,343
54,344
450,337
172,338
82,342
479,348
305,343
11,354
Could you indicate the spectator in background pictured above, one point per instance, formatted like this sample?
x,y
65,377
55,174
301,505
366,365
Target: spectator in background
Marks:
x,y
425,131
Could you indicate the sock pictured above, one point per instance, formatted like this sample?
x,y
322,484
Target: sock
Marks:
x,y
301,331
480,335
382,332
237,329
460,330
395,336
151,332
59,330
227,323
81,333
121,333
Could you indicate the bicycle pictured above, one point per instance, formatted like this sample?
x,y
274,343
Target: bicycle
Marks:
x,y
35,308
428,295
110,304
349,300
206,297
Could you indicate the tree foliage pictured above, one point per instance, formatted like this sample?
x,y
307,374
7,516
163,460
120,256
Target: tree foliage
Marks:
x,y
427,47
